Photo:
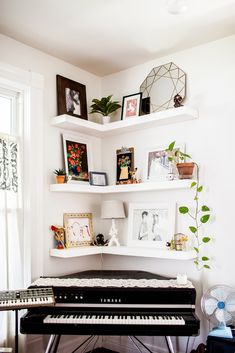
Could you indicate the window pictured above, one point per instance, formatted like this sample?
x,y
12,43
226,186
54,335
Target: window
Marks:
x,y
11,210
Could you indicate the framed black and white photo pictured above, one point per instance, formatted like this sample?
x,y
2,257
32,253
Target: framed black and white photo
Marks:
x,y
131,105
157,165
71,97
77,158
98,178
151,224
78,229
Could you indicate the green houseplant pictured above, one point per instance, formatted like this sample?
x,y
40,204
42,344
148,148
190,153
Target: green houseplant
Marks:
x,y
199,214
104,106
177,158
60,175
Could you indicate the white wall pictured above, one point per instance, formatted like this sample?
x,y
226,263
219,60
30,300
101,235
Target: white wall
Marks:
x,y
55,204
210,88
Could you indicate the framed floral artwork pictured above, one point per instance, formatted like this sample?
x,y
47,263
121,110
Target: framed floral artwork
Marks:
x,y
151,224
125,165
131,105
77,157
78,229
71,97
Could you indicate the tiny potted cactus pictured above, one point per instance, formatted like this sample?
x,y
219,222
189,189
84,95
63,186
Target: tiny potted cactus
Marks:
x,y
60,175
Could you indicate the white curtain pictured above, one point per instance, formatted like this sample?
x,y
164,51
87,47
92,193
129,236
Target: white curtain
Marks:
x,y
11,230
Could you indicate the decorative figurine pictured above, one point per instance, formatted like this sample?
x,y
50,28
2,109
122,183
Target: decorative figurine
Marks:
x,y
59,235
113,241
177,101
99,240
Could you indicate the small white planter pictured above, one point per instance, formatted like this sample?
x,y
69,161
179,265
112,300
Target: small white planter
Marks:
x,y
106,119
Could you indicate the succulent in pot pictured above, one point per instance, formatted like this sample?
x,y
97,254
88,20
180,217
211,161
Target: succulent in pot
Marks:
x,y
60,175
104,106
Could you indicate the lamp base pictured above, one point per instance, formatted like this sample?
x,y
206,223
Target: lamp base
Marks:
x,y
113,234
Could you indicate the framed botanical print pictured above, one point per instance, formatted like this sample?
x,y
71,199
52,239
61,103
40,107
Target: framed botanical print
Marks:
x,y
125,165
78,229
71,97
151,224
77,157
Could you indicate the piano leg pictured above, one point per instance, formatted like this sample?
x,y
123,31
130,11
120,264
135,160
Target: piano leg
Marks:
x,y
169,344
53,344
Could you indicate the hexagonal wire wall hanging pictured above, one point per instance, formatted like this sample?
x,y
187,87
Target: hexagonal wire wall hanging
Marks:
x,y
161,86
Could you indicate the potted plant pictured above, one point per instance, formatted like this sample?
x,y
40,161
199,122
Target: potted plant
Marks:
x,y
60,175
177,157
104,106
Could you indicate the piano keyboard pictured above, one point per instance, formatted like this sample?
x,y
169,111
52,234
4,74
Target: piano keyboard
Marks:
x,y
23,299
114,319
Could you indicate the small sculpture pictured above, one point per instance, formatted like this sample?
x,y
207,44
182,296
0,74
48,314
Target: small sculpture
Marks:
x,y
99,240
59,235
113,234
177,101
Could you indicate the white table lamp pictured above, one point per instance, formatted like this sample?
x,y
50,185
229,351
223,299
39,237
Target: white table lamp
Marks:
x,y
112,209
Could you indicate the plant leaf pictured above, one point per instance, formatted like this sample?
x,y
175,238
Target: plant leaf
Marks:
x,y
195,198
196,249
193,229
205,258
193,184
171,146
183,209
200,188
206,266
204,208
206,239
205,218
196,262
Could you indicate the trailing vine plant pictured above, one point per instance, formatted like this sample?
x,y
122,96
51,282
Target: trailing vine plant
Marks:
x,y
200,214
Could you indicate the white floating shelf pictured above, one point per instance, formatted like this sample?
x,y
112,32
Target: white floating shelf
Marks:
x,y
111,189
168,116
124,251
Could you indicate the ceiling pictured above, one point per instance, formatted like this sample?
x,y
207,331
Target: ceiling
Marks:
x,y
107,36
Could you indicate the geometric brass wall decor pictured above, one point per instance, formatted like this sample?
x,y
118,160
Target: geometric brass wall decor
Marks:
x,y
162,84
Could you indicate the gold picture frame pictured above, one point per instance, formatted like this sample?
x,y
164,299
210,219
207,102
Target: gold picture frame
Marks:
x,y
78,229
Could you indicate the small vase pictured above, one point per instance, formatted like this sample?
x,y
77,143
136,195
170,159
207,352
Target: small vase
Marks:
x,y
60,179
124,173
106,119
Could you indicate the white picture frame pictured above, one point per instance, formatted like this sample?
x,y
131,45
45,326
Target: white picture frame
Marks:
x,y
157,167
78,164
151,224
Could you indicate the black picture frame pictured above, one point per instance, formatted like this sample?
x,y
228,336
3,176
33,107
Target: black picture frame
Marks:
x,y
71,97
125,165
98,178
131,106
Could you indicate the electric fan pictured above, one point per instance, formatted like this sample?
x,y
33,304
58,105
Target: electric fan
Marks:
x,y
218,305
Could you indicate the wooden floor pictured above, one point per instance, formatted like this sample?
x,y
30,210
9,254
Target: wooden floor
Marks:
x,y
102,350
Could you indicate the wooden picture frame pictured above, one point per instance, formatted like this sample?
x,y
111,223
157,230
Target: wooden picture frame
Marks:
x,y
125,165
78,229
71,97
77,158
98,178
131,105
151,224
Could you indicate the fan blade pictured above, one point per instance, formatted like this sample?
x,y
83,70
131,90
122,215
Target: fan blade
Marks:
x,y
210,305
230,303
219,314
220,293
227,317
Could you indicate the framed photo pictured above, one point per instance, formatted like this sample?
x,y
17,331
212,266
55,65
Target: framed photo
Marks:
x,y
131,105
151,225
98,178
125,165
78,229
77,158
71,97
157,164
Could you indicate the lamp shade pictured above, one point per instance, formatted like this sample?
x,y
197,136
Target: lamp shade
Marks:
x,y
112,209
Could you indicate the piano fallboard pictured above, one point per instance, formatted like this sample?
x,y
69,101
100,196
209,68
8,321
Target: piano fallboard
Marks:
x,y
110,322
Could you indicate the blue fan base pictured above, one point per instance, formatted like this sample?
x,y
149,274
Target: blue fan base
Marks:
x,y
221,331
